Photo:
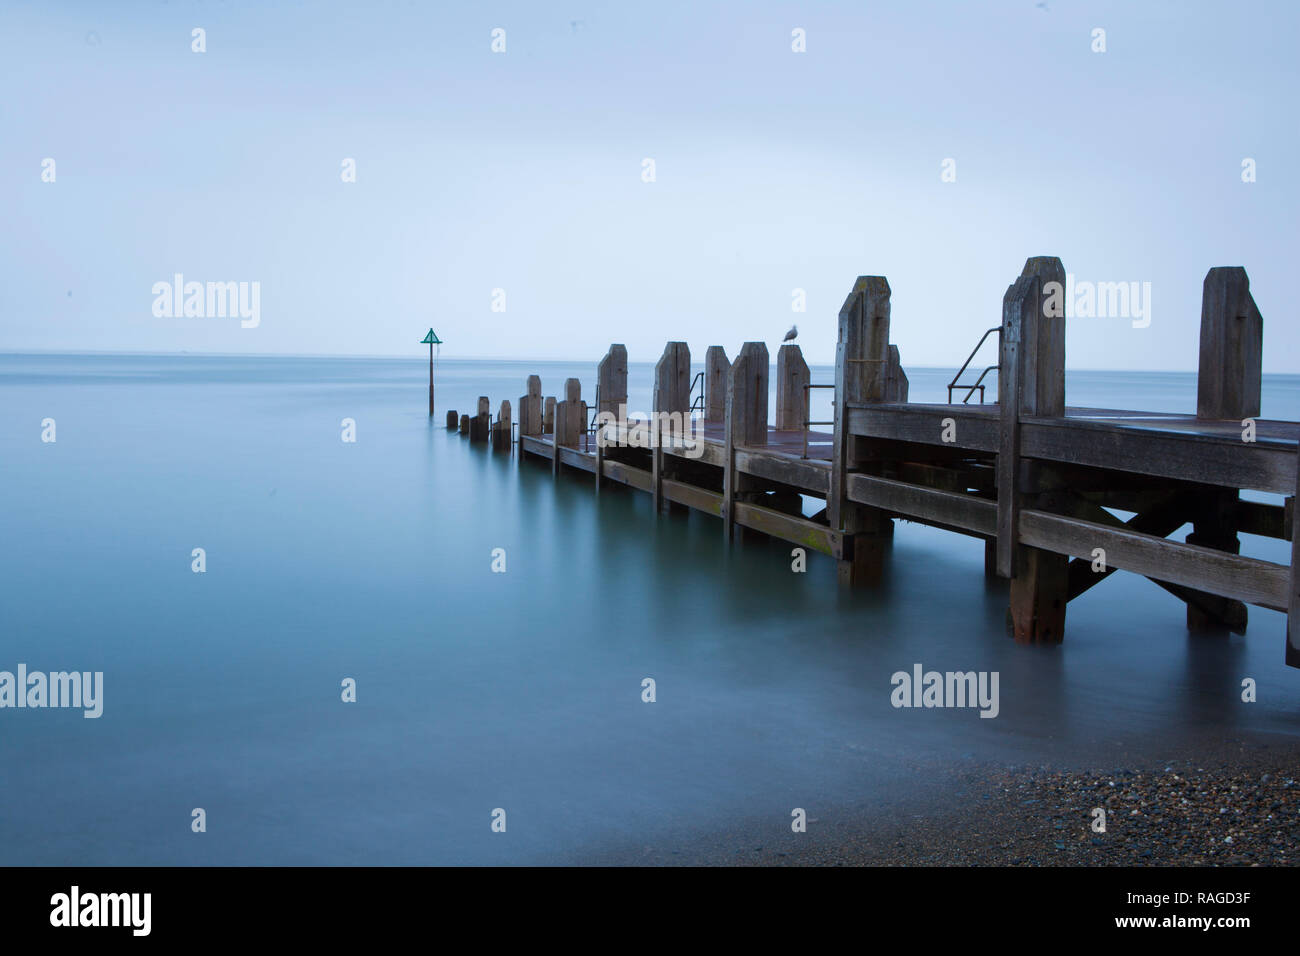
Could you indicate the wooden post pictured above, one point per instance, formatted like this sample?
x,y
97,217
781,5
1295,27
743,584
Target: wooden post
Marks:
x,y
1031,382
569,420
716,368
747,392
861,375
672,395
1232,344
1021,298
611,388
1293,609
611,380
895,378
464,425
501,436
1228,386
530,408
452,419
480,425
791,396
548,416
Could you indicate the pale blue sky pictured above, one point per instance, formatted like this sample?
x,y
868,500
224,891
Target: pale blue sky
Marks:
x,y
522,171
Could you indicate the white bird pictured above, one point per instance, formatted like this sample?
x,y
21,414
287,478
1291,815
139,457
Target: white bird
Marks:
x,y
789,336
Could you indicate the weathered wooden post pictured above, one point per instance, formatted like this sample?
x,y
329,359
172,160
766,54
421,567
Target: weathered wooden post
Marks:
x,y
464,425
895,378
611,388
672,397
747,392
861,375
611,380
452,419
1031,382
1228,386
548,416
791,396
568,421
501,428
480,425
530,408
716,368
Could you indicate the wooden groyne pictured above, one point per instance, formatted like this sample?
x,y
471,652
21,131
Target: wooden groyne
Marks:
x,y
1035,479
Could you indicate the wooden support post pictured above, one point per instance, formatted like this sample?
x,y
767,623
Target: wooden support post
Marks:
x,y
611,380
791,396
895,378
530,408
1232,343
1293,609
747,392
548,416
1227,387
501,429
569,421
464,425
611,394
452,419
481,424
1031,382
672,397
861,375
716,368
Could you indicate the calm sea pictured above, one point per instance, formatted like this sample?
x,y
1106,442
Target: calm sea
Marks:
x,y
371,560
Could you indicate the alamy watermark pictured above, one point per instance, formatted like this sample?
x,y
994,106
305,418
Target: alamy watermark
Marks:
x,y
922,688
56,689
208,300
1098,300
677,430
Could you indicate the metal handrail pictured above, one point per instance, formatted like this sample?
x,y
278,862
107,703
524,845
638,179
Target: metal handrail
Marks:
x,y
591,425
807,424
965,365
696,402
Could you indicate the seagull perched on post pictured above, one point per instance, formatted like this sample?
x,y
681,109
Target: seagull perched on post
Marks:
x,y
789,336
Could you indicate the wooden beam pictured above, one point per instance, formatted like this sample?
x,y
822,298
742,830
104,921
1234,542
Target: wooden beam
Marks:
x,y
930,505
1205,569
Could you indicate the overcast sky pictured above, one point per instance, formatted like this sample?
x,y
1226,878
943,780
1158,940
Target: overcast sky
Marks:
x,y
523,171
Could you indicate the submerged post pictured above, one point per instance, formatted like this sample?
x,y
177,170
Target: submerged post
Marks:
x,y
501,428
861,375
611,394
791,396
1031,382
568,421
530,408
452,419
747,392
1228,386
480,425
